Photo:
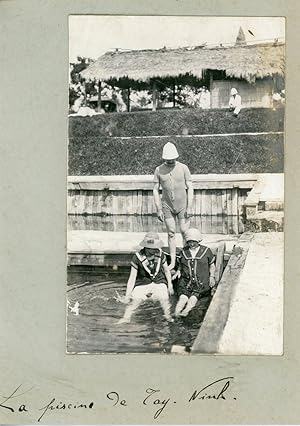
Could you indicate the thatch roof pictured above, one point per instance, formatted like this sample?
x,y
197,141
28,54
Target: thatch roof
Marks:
x,y
246,62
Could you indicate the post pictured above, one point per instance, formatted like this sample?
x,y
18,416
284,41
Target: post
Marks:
x,y
128,99
84,92
99,96
211,87
154,96
174,93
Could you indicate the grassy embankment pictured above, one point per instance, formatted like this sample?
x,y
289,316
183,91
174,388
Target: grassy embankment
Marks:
x,y
96,145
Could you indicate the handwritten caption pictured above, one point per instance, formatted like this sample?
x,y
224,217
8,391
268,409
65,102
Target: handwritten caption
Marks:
x,y
218,390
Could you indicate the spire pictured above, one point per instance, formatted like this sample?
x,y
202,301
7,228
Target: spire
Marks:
x,y
240,39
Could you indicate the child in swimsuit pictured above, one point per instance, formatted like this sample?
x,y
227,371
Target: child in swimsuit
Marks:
x,y
196,270
150,278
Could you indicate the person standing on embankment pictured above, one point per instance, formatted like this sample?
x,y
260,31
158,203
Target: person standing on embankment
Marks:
x,y
235,102
177,196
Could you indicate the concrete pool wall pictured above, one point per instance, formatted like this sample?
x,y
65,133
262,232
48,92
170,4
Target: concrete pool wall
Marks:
x,y
245,316
113,249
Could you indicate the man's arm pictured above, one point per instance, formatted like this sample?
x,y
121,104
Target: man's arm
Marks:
x,y
190,198
157,201
190,194
169,279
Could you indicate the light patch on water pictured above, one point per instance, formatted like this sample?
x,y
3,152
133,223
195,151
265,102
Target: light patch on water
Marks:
x,y
106,299
118,298
74,309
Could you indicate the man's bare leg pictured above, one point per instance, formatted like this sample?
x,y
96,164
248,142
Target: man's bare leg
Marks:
x,y
171,229
184,225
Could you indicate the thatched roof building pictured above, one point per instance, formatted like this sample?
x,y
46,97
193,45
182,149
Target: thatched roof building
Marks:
x,y
248,62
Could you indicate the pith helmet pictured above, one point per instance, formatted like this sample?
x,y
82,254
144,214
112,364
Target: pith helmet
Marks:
x,y
170,152
151,240
233,91
193,235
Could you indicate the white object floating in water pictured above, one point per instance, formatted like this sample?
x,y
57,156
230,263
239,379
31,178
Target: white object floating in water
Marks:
x,y
118,298
74,309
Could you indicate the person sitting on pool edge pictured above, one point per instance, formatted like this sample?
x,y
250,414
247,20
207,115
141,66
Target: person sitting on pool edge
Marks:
x,y
196,273
235,102
149,279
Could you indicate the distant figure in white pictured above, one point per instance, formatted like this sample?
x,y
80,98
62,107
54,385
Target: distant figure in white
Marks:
x,y
235,102
204,102
175,180
278,99
149,279
78,103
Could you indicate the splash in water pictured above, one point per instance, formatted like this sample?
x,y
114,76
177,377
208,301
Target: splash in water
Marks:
x,y
74,309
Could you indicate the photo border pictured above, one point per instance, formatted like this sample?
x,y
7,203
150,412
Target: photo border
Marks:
x,y
34,38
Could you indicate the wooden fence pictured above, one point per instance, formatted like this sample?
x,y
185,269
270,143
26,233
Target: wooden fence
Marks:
x,y
207,202
126,223
214,195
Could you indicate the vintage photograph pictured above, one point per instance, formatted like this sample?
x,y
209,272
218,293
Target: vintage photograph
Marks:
x,y
175,185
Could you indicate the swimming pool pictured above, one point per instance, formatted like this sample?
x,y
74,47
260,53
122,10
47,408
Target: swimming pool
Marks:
x,y
95,329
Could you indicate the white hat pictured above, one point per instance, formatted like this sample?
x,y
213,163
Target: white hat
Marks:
x,y
233,91
193,234
151,240
170,152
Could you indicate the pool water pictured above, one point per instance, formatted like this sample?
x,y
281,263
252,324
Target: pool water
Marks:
x,y
95,329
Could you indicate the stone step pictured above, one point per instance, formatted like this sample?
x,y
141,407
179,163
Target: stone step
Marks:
x,y
266,195
265,221
273,205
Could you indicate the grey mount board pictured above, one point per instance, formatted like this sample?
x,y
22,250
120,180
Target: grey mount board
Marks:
x,y
33,122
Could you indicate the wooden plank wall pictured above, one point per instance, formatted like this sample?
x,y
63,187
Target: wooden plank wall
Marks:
x,y
207,202
123,223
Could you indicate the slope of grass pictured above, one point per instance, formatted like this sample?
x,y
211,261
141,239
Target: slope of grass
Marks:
x,y
92,155
177,122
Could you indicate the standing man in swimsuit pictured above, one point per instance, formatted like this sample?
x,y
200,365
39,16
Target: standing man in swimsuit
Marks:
x,y
175,180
